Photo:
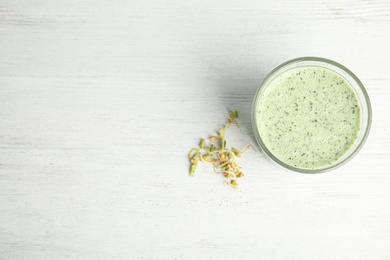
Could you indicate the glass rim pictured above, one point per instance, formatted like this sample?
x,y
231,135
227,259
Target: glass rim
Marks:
x,y
357,83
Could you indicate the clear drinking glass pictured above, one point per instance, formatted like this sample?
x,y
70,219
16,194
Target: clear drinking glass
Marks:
x,y
354,83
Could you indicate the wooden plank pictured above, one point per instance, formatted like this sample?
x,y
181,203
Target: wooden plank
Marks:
x,y
101,102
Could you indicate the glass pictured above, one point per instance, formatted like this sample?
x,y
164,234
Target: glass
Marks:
x,y
354,83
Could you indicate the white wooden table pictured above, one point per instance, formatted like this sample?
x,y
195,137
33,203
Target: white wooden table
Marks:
x,y
101,101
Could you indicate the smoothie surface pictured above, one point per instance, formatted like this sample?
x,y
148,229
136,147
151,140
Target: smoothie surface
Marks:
x,y
308,117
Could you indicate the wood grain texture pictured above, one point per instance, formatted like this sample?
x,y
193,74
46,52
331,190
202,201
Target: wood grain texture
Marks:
x,y
101,101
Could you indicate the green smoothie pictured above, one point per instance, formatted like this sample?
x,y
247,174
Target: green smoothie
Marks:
x,y
308,117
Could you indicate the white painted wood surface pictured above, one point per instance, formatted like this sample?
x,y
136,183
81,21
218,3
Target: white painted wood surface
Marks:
x,y
101,101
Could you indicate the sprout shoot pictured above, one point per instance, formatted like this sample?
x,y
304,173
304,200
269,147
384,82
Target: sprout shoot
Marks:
x,y
223,159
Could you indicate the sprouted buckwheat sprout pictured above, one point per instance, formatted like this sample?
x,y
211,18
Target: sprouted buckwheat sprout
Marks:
x,y
222,159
